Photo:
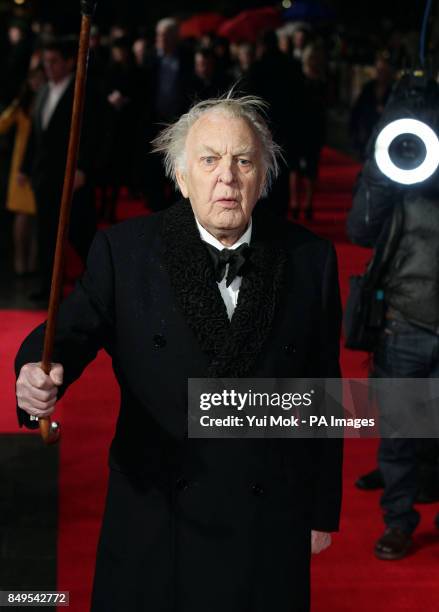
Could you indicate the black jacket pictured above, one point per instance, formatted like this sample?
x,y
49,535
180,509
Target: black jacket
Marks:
x,y
381,208
46,153
222,524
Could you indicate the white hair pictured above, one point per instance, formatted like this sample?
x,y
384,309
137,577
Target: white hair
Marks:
x,y
167,23
171,141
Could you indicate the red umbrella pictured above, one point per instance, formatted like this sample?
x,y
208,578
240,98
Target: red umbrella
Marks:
x,y
249,25
200,24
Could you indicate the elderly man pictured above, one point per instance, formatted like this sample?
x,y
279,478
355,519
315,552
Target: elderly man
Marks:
x,y
203,289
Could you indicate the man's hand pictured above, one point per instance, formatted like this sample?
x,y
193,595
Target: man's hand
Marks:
x,y
36,391
319,541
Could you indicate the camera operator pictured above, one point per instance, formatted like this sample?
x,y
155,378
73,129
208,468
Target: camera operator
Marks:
x,y
408,344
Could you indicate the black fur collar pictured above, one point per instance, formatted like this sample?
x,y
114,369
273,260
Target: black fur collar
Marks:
x,y
233,347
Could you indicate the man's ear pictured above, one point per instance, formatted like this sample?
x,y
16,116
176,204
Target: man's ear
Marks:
x,y
181,180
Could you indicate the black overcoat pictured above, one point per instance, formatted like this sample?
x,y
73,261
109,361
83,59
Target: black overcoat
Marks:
x,y
195,525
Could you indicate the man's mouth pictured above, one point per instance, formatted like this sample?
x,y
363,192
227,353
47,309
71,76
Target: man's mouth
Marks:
x,y
227,202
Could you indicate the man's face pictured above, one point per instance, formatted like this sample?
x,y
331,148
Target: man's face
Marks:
x,y
224,173
165,39
36,80
119,55
139,50
15,35
203,66
56,67
245,57
299,37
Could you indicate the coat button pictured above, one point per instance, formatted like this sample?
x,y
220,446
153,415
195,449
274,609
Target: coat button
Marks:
x,y
159,341
182,484
257,490
289,349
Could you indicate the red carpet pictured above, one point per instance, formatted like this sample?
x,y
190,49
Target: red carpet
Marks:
x,y
346,578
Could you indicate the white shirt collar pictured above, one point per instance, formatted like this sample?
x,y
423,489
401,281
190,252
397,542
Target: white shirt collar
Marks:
x,y
207,237
62,85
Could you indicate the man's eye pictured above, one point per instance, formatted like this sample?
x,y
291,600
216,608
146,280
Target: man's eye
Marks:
x,y
244,162
209,161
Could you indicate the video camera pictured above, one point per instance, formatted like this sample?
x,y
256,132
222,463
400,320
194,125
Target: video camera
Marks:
x,y
406,143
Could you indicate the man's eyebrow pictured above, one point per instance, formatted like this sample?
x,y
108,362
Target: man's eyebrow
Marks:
x,y
244,151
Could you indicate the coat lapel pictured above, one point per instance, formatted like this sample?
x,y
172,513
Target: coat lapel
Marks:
x,y
41,100
233,347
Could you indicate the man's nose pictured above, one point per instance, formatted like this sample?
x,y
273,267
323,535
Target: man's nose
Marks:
x,y
227,171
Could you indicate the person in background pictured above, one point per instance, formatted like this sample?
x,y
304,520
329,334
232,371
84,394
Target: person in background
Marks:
x,y
313,123
301,39
245,60
169,70
406,220
122,90
98,58
370,104
276,79
118,30
284,41
20,198
15,63
207,82
222,52
44,162
140,51
398,49
207,40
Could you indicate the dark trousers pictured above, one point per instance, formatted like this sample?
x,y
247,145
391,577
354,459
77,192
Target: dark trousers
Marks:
x,y
405,351
82,227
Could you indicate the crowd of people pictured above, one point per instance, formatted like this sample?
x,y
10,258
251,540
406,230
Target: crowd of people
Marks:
x,y
135,85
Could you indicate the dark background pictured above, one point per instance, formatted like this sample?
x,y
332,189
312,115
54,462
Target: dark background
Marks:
x,y
361,14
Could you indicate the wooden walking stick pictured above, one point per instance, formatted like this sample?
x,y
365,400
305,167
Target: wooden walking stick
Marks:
x,y
50,430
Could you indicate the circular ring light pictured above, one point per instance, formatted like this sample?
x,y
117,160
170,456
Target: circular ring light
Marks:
x,y
407,126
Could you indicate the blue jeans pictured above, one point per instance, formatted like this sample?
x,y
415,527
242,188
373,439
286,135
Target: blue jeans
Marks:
x,y
404,351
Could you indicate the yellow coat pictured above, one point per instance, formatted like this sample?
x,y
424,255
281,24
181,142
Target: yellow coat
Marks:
x,y
20,199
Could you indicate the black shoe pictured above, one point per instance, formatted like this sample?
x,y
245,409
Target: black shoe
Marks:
x,y
371,481
394,544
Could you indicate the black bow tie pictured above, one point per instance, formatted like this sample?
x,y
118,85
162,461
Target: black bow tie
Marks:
x,y
236,258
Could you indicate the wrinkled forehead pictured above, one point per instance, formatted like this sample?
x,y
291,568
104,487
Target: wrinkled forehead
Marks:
x,y
224,133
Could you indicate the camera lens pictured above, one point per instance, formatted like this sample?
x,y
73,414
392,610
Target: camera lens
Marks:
x,y
407,151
